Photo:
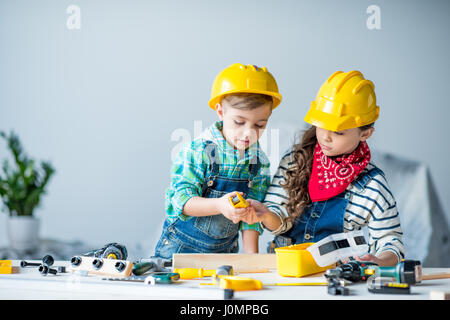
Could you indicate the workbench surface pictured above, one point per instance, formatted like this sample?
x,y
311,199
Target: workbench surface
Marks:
x,y
28,283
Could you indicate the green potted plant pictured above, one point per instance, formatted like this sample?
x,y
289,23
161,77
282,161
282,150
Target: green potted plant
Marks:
x,y
21,188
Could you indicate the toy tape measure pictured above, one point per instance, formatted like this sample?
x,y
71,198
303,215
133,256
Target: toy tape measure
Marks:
x,y
101,266
338,246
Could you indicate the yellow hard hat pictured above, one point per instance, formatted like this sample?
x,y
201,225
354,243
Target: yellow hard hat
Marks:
x,y
239,78
346,100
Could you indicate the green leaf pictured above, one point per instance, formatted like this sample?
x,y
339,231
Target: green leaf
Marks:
x,y
22,186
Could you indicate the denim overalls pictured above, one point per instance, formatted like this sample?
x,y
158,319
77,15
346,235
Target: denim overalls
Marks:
x,y
322,218
208,234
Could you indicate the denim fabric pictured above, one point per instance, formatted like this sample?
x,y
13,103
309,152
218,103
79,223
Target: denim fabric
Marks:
x,y
208,234
322,218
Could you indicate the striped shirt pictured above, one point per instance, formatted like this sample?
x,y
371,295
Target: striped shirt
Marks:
x,y
374,207
191,167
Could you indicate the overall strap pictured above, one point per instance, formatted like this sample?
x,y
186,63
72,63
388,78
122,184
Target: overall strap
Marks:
x,y
364,178
253,169
211,152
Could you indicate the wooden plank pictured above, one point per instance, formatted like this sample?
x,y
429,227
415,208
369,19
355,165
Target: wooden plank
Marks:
x,y
215,260
106,267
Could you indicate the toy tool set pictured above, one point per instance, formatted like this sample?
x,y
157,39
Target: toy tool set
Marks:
x,y
232,272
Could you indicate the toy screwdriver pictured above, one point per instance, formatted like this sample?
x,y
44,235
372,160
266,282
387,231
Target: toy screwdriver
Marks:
x,y
389,287
162,277
151,279
193,273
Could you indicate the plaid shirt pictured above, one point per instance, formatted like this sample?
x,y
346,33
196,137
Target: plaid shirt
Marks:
x,y
191,168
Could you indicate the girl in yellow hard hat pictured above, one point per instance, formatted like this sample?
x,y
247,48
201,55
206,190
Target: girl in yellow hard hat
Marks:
x,y
327,184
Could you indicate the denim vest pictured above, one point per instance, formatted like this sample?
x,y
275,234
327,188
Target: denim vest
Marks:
x,y
208,234
322,218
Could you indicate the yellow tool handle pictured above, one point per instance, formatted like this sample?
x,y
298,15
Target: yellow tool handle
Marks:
x,y
189,273
239,283
297,284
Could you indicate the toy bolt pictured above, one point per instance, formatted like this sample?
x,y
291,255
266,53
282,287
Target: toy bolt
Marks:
x,y
48,260
24,264
76,261
97,263
120,266
44,270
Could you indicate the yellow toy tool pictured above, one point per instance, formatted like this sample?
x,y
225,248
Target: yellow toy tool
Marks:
x,y
194,273
238,201
5,266
239,283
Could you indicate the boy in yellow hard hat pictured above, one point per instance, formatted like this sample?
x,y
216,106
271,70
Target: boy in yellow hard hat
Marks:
x,y
226,159
327,184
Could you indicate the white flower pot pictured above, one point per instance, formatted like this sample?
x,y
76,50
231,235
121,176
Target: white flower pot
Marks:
x,y
23,233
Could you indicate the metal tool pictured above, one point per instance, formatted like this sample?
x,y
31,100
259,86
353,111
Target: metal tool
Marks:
x,y
151,279
153,264
162,277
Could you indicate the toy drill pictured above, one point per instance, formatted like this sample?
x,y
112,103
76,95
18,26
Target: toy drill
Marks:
x,y
407,271
109,251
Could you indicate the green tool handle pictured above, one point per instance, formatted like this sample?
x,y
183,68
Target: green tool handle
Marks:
x,y
142,267
391,272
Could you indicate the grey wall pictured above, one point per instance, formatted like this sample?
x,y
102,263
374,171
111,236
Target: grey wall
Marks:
x,y
102,102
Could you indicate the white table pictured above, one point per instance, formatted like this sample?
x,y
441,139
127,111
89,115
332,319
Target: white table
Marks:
x,y
28,283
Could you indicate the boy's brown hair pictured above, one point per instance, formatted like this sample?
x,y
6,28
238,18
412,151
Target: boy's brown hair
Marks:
x,y
247,101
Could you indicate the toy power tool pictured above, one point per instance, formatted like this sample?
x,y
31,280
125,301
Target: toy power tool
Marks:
x,y
353,271
406,271
109,251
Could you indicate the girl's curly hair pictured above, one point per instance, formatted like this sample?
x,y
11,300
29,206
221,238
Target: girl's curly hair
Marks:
x,y
298,174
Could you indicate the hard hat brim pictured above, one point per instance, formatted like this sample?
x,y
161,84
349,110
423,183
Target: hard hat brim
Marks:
x,y
331,122
276,97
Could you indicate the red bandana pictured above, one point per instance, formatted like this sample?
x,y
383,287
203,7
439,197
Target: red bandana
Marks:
x,y
331,177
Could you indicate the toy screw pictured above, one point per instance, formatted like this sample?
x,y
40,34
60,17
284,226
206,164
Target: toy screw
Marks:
x,y
120,266
24,264
48,260
97,263
76,261
44,270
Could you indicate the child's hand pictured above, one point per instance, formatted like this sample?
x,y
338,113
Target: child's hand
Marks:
x,y
230,212
256,212
384,259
